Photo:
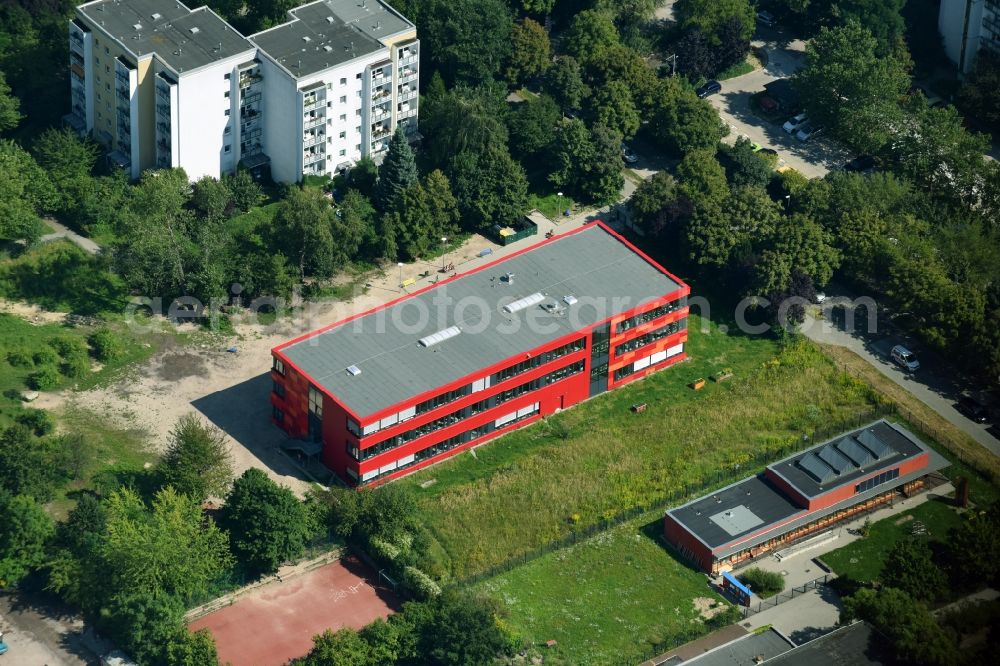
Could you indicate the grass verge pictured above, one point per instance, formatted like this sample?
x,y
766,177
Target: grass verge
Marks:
x,y
612,599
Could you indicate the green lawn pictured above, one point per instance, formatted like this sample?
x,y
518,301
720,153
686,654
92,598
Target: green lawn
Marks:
x,y
550,205
598,460
610,599
862,560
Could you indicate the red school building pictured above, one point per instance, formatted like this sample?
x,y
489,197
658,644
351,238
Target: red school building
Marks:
x,y
453,365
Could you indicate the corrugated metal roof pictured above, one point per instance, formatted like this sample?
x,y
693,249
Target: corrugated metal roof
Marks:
x,y
606,276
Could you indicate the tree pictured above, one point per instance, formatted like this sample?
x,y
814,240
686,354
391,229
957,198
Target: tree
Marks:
x,y
532,125
302,229
210,197
613,108
910,567
466,40
590,35
267,524
398,171
627,66
68,161
244,193
588,163
386,512
564,83
28,466
197,461
655,203
10,106
345,647
847,87
25,191
75,547
462,629
168,549
747,168
364,175
529,51
799,244
144,623
682,122
491,188
974,548
907,624
354,225
733,43
763,583
702,179
883,17
747,216
23,532
979,95
696,56
188,648
464,119
708,15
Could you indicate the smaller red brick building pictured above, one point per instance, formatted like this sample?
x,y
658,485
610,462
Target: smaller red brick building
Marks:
x,y
800,495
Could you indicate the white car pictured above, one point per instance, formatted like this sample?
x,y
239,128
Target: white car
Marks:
x,y
904,358
807,132
793,124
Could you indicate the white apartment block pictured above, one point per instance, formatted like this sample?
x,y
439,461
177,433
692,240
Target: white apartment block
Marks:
x,y
966,27
161,86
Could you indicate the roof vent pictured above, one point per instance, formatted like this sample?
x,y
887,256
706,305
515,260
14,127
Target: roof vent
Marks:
x,y
307,39
569,299
440,336
508,278
353,370
327,48
195,30
137,26
156,16
523,303
329,19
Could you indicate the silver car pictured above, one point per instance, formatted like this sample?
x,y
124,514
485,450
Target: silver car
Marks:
x,y
793,124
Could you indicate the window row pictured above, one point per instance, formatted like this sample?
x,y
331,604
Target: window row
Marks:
x,y
643,363
884,477
448,444
648,338
650,315
462,414
518,368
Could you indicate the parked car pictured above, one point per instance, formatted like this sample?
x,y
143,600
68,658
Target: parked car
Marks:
x,y
628,155
861,164
904,358
795,122
766,18
709,88
807,132
768,151
972,408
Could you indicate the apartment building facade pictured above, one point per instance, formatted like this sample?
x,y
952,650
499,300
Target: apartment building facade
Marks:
x,y
163,86
968,27
478,355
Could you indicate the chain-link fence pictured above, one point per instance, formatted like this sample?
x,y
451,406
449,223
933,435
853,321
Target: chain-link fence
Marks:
x,y
782,597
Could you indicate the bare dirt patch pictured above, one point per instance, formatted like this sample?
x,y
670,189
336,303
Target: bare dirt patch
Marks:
x,y
708,608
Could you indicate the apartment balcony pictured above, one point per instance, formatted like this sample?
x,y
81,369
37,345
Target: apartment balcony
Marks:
x,y
250,97
247,113
407,75
309,105
313,140
76,42
407,94
407,113
309,123
247,80
163,145
310,158
77,72
381,112
409,60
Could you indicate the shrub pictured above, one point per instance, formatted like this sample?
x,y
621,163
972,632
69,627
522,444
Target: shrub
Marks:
x,y
45,356
382,550
763,583
45,378
38,420
68,347
75,367
420,584
19,358
107,345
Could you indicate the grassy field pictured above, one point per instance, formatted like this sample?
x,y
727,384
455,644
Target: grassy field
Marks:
x,y
550,205
597,460
862,560
607,600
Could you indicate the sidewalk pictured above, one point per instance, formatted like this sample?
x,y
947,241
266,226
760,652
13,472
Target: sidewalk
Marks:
x,y
60,232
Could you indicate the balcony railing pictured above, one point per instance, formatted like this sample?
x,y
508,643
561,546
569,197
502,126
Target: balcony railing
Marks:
x,y
313,122
75,39
309,158
407,74
409,60
309,105
163,110
164,128
309,141
407,94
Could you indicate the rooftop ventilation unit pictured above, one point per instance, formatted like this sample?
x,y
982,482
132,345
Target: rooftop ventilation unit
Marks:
x,y
329,19
195,30
508,278
353,370
327,48
307,39
440,336
569,299
137,26
523,303
156,16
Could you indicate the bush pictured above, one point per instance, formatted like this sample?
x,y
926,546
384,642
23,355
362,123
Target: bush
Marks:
x,y
107,345
74,354
45,378
382,550
45,356
420,584
68,347
38,421
763,583
19,358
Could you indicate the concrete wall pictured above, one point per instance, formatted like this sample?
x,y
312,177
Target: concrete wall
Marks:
x,y
961,39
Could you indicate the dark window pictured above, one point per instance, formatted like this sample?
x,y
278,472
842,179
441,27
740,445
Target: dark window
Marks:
x,y
649,338
650,315
443,399
278,388
875,481
278,366
278,415
622,373
353,427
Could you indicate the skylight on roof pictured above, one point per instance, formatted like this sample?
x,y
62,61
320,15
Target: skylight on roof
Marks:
x,y
522,303
440,336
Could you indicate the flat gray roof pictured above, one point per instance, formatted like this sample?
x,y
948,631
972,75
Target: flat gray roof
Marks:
x,y
328,33
605,275
836,463
743,651
756,505
182,38
856,644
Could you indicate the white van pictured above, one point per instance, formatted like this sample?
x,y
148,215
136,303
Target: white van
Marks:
x,y
904,358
